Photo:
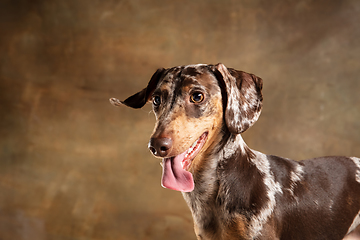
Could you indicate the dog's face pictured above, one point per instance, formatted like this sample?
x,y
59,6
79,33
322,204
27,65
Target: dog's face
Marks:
x,y
193,105
187,103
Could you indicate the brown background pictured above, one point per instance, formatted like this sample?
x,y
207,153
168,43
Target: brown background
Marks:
x,y
74,167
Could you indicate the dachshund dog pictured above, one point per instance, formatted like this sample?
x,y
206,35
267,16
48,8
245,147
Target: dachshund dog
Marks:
x,y
234,192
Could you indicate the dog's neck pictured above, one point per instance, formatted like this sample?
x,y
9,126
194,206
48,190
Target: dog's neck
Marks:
x,y
254,202
229,147
203,201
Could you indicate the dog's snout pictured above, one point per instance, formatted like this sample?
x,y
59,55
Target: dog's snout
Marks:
x,y
160,147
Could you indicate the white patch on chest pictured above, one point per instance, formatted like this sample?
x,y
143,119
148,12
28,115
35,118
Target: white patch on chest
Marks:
x,y
197,200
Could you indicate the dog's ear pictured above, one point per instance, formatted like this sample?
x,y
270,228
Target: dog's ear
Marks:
x,y
243,97
138,100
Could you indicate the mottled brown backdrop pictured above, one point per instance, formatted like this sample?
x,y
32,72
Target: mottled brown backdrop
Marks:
x,y
73,167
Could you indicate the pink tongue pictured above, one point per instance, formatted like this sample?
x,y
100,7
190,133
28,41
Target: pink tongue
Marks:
x,y
174,176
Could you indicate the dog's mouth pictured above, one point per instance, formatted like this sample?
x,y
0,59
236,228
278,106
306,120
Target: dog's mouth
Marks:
x,y
175,169
193,151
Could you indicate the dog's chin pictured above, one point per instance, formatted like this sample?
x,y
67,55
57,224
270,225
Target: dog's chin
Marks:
x,y
175,169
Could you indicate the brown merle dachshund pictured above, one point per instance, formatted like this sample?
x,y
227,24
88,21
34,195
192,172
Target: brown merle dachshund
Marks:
x,y
234,192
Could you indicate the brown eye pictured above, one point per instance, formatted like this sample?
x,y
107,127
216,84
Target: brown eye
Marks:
x,y
156,101
197,97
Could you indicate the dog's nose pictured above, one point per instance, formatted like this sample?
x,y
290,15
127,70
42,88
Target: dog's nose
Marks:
x,y
160,147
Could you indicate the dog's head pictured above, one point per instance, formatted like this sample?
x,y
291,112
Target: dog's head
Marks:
x,y
193,104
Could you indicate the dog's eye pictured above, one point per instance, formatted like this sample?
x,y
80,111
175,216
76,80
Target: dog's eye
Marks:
x,y
197,97
156,100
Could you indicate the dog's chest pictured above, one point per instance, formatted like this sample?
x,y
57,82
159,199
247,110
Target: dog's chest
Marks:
x,y
211,218
212,221
224,207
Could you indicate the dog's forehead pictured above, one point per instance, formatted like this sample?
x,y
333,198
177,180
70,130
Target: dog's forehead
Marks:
x,y
189,75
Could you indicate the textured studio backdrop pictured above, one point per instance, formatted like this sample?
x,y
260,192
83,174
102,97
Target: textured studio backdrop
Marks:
x,y
73,167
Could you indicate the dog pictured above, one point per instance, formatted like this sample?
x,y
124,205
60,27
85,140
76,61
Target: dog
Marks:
x,y
235,192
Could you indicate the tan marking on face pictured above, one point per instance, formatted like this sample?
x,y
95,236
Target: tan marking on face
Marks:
x,y
185,130
213,125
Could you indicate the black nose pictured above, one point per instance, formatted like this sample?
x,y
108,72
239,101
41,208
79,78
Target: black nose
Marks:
x,y
160,147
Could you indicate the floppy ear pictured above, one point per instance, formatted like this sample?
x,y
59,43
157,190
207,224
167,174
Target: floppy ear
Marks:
x,y
243,97
138,100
